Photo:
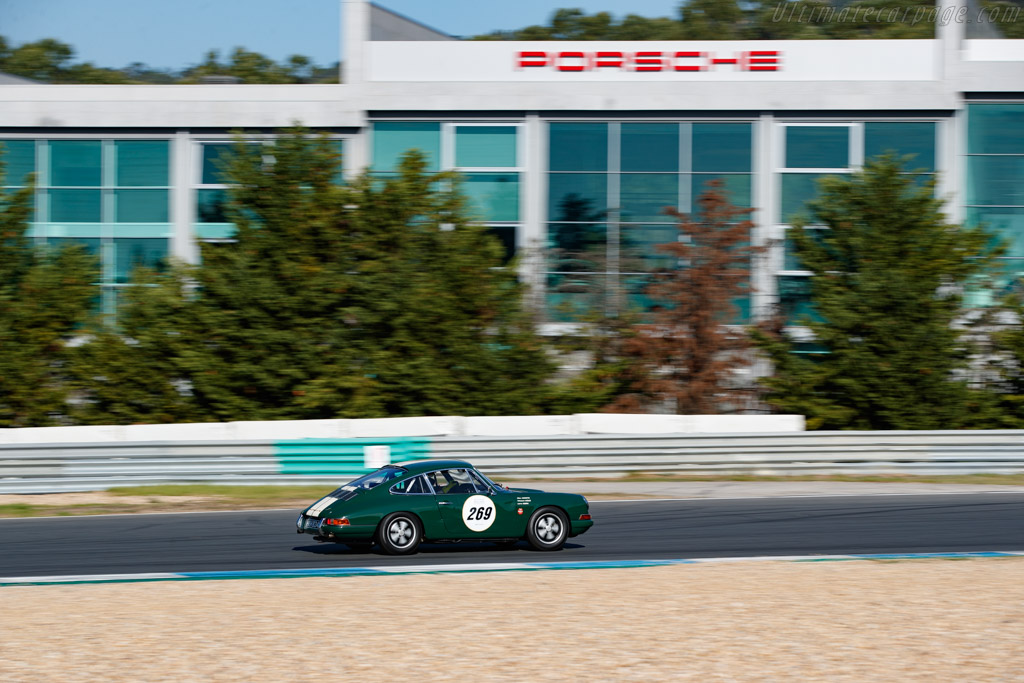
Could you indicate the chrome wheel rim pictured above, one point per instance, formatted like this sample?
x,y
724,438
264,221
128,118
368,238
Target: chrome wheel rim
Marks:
x,y
549,528
401,533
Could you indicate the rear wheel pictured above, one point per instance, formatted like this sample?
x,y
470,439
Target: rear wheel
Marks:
x,y
399,534
548,529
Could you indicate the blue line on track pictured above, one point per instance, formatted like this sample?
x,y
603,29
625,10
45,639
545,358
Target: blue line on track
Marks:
x,y
469,568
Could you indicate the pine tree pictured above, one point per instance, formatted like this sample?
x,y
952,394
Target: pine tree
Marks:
x,y
888,275
685,360
45,296
373,299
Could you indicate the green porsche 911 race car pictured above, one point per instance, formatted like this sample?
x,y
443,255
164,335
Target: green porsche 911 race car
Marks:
x,y
400,506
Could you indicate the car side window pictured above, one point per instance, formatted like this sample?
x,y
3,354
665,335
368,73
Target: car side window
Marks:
x,y
455,481
414,485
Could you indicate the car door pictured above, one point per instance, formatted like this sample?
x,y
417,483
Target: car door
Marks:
x,y
468,507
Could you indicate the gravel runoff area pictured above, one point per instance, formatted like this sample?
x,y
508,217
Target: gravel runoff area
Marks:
x,y
943,620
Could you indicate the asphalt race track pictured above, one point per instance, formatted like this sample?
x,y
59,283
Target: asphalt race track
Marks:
x,y
623,530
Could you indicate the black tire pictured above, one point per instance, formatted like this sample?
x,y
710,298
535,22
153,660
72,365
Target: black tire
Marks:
x,y
399,534
548,529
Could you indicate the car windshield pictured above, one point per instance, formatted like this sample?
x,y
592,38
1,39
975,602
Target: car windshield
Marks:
x,y
371,480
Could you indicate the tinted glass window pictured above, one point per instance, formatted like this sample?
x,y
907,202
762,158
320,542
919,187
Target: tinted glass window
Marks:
x,y
650,147
76,206
917,139
721,147
578,147
141,206
817,146
19,157
76,162
493,196
645,196
414,485
995,129
391,140
142,162
485,146
457,481
214,158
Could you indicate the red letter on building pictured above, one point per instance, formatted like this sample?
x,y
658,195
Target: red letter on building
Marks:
x,y
648,61
612,59
764,60
532,59
562,66
689,55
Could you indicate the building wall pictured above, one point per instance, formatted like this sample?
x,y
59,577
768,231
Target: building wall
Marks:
x,y
569,151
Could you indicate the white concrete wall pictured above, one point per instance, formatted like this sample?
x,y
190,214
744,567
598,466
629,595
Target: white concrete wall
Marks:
x,y
527,425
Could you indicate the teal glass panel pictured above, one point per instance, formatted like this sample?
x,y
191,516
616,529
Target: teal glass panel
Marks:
x,y
916,138
19,158
147,230
817,146
76,206
141,206
797,190
76,163
392,140
215,157
506,236
995,180
578,147
649,147
579,197
142,163
795,299
722,147
493,196
130,253
995,128
571,297
485,146
215,231
577,247
74,229
640,248
645,196
1007,224
211,206
736,187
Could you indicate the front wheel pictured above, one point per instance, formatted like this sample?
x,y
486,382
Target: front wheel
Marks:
x,y
548,529
400,534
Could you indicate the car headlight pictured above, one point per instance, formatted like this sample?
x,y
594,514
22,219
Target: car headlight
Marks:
x,y
298,522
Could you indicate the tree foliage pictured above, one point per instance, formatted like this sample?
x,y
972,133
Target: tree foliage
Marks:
x,y
685,359
373,299
765,20
888,275
52,61
44,297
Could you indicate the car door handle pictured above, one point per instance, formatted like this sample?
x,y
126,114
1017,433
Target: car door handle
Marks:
x,y
444,502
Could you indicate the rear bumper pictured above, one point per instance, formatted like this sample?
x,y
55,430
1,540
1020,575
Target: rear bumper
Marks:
x,y
579,526
323,532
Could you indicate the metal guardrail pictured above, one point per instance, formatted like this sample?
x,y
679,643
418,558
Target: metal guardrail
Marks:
x,y
44,468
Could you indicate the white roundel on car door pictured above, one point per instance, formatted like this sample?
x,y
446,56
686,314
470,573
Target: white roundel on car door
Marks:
x,y
478,512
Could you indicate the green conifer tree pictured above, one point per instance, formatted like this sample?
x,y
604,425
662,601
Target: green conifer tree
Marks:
x,y
45,296
888,277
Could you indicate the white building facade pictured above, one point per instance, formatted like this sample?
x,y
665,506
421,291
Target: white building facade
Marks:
x,y
569,150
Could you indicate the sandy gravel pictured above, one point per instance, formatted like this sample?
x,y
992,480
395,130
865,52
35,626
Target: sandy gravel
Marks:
x,y
846,621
